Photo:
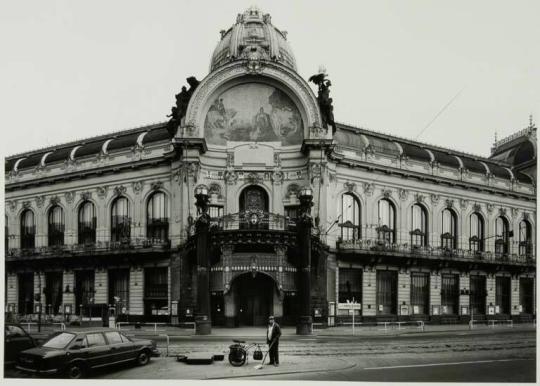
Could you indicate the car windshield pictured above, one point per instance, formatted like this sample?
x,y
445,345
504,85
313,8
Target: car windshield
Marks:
x,y
59,341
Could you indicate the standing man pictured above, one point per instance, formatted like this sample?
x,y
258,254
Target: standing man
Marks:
x,y
272,339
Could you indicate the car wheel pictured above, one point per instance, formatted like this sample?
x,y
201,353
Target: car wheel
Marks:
x,y
75,371
143,358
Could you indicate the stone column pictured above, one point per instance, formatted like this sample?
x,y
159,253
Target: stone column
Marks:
x,y
278,305
369,293
464,300
304,274
203,324
514,297
12,291
404,292
174,284
39,286
136,291
68,297
435,293
230,309
101,286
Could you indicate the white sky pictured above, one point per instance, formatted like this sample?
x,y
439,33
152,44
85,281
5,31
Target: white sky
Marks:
x,y
74,69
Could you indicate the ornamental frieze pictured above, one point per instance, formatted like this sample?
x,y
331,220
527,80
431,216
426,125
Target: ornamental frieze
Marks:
x,y
387,193
490,207
419,198
55,200
349,186
102,192
463,203
12,205
119,190
449,203
137,187
369,188
26,204
435,198
157,185
403,194
85,196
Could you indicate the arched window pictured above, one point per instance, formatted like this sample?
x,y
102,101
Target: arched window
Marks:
x,y
449,230
525,242
501,236
28,229
157,221
120,220
56,226
87,223
254,208
387,219
418,226
350,217
476,238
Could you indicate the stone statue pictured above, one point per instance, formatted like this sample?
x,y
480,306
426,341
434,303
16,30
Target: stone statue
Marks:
x,y
325,102
173,123
182,101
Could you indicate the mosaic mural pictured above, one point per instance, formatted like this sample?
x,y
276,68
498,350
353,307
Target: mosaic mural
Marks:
x,y
253,112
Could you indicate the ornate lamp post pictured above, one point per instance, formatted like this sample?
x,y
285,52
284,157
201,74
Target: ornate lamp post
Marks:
x,y
304,262
203,324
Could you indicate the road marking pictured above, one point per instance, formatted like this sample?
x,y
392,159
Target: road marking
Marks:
x,y
308,339
446,364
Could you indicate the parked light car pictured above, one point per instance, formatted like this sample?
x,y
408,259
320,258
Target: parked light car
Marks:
x,y
16,339
74,353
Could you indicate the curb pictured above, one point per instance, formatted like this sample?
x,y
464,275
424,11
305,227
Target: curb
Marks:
x,y
349,366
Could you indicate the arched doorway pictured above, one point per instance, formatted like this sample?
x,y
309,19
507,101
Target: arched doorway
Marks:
x,y
254,298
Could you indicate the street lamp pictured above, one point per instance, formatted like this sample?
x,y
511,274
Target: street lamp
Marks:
x,y
201,195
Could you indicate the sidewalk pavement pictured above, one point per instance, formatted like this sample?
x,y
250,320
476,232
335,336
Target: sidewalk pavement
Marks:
x,y
169,368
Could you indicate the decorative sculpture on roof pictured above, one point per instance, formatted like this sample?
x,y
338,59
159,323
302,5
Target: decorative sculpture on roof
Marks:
x,y
325,102
182,101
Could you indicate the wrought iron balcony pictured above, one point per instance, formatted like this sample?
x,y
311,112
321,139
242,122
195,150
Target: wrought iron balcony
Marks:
x,y
131,244
254,220
375,246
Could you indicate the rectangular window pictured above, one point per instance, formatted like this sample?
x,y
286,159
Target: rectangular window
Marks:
x,y
387,292
450,294
502,294
478,294
53,292
350,285
155,283
420,293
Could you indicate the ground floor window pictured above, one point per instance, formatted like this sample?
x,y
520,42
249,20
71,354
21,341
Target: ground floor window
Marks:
x,y
420,293
450,294
26,293
53,292
119,289
350,285
502,294
387,292
84,292
477,295
156,294
526,289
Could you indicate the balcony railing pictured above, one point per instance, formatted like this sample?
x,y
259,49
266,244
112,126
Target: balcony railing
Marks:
x,y
374,246
100,246
254,220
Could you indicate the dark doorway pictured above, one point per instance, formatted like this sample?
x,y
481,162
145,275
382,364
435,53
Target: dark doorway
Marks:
x,y
450,294
502,294
53,292
119,289
478,295
26,293
254,299
387,292
156,294
84,292
526,289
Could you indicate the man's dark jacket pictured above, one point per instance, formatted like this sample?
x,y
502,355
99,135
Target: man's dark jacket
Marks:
x,y
276,333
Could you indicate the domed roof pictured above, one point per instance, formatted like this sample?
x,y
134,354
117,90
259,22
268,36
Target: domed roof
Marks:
x,y
253,35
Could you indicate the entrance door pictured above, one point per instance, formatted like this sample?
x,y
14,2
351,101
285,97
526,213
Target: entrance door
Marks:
x,y
254,299
387,292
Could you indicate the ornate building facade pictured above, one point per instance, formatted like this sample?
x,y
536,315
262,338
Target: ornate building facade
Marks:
x,y
250,204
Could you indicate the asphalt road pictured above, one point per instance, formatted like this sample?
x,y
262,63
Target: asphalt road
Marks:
x,y
455,356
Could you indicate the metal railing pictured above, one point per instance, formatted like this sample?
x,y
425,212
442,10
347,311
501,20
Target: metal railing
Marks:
x,y
254,220
99,246
375,245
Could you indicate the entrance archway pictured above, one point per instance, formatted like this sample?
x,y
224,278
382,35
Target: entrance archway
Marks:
x,y
254,298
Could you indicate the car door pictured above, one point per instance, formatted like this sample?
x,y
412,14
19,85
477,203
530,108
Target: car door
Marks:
x,y
99,352
16,340
120,350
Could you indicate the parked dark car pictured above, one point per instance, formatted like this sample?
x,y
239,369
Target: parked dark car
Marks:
x,y
73,353
16,339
